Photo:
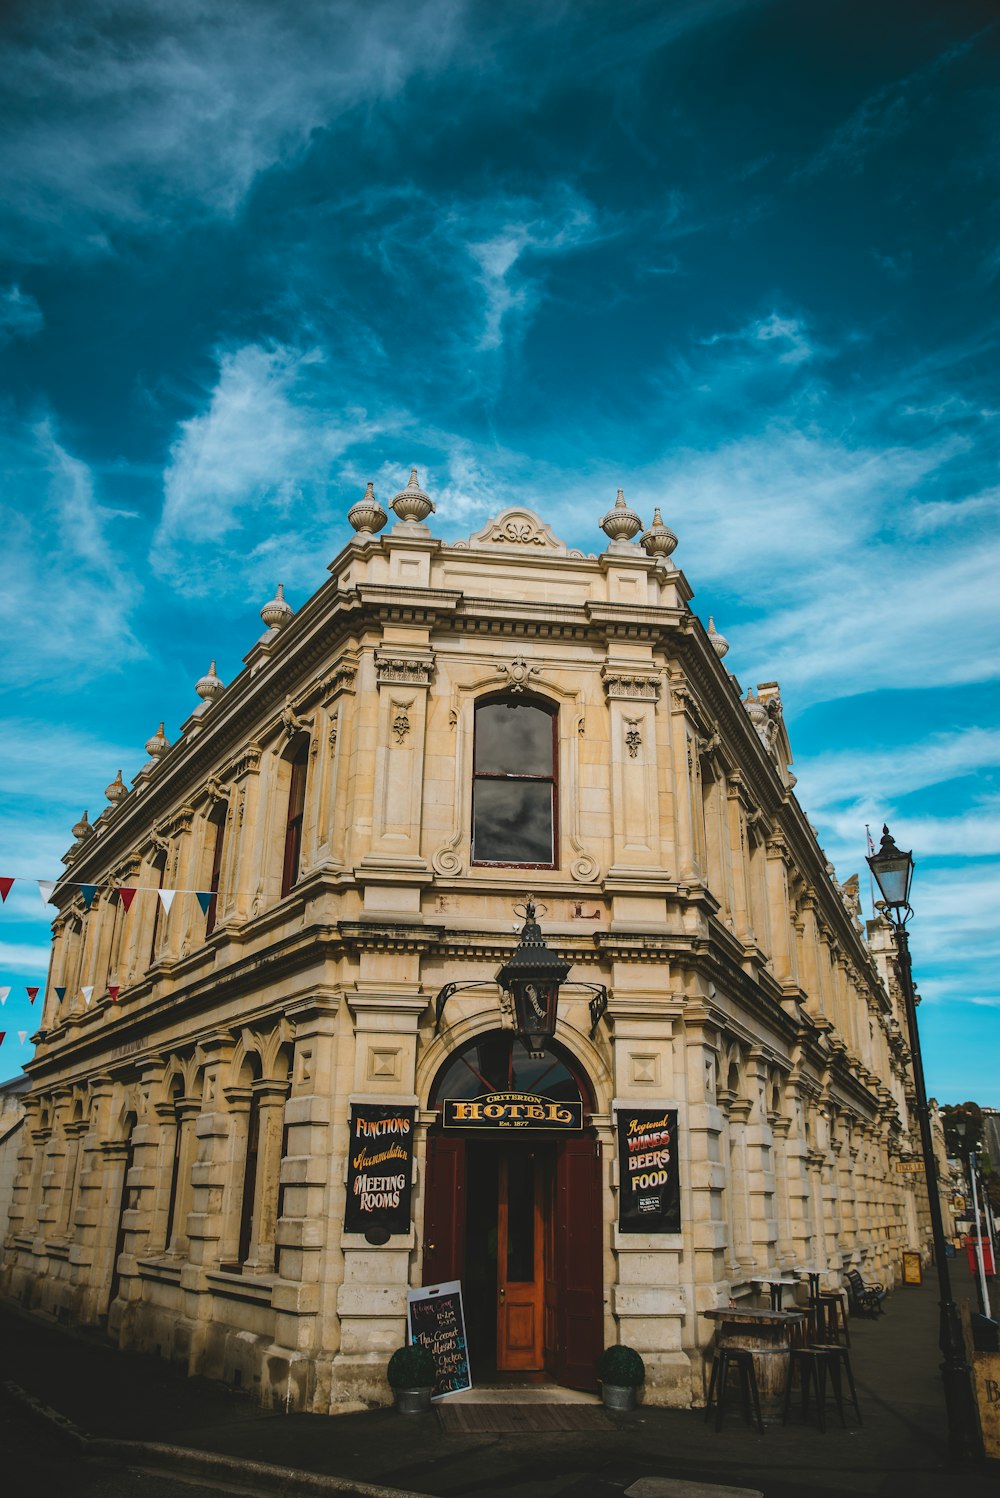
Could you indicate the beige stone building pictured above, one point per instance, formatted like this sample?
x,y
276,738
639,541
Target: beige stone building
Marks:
x,y
347,828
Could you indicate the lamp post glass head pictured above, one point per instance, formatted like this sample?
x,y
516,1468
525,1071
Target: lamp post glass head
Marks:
x,y
893,871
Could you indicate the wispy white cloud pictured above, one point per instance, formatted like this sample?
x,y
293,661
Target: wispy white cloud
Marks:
x,y
24,957
20,315
63,573
788,334
258,454
131,118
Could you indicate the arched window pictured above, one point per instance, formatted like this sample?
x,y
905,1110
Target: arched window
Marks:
x,y
217,823
514,803
296,808
160,869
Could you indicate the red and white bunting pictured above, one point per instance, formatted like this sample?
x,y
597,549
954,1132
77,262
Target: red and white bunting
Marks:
x,y
22,1036
113,992
4,992
45,888
166,899
32,994
126,894
88,992
6,885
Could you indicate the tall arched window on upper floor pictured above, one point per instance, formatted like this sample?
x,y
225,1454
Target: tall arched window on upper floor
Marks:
x,y
514,794
159,870
299,760
217,834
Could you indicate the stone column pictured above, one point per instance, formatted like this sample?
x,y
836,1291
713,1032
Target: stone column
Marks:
x,y
760,1168
632,690
782,956
403,674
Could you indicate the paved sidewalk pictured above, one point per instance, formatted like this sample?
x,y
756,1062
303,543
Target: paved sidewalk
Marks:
x,y
900,1447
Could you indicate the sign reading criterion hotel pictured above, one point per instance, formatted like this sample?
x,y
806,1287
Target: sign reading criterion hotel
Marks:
x,y
648,1180
379,1170
512,1110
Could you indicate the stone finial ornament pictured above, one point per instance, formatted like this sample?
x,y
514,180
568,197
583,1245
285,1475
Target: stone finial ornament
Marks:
x,y
158,744
209,686
117,790
718,642
412,504
621,523
659,540
277,613
82,829
367,516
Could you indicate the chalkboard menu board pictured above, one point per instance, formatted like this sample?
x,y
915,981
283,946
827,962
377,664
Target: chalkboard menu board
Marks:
x,y
436,1320
648,1181
379,1171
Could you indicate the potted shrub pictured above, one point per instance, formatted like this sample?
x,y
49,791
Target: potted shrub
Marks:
x,y
621,1371
411,1374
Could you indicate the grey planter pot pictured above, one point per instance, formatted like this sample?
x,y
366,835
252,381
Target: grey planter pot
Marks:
x,y
413,1401
619,1396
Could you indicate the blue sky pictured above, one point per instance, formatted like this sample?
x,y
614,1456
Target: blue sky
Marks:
x,y
741,259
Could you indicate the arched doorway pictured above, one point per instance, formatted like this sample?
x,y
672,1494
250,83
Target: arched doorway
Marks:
x,y
514,1208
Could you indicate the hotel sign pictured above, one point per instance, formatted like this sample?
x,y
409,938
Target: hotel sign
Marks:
x,y
512,1110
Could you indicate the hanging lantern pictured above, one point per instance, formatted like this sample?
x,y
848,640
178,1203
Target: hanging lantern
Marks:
x,y
533,977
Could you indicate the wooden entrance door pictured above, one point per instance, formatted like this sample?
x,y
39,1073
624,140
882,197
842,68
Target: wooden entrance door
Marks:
x,y
574,1280
520,1261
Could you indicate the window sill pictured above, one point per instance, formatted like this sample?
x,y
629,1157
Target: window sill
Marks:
x,y
256,1289
165,1271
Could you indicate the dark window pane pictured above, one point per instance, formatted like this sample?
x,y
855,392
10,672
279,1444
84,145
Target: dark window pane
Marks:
x,y
513,738
512,821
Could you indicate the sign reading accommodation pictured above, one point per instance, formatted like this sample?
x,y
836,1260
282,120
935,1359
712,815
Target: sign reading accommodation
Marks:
x,y
379,1170
436,1320
512,1110
649,1199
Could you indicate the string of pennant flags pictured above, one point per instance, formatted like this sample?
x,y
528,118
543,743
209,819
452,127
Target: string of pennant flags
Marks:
x,y
126,892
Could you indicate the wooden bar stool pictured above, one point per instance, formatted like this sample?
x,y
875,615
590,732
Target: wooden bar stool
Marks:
x,y
727,1358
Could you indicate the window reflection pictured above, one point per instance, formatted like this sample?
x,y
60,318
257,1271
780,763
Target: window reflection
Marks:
x,y
514,800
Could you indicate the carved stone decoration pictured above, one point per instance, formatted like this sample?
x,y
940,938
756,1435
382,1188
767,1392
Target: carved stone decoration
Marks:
x,y
278,612
632,686
158,745
621,523
292,721
633,737
367,516
447,862
518,672
117,790
411,504
659,540
247,762
718,641
400,721
585,869
517,526
402,669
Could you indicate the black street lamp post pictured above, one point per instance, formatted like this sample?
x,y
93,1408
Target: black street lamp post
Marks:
x,y
893,873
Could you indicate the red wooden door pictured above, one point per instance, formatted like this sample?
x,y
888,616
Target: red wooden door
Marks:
x,y
444,1209
575,1294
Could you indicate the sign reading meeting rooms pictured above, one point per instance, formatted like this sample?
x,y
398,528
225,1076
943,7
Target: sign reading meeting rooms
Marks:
x,y
379,1170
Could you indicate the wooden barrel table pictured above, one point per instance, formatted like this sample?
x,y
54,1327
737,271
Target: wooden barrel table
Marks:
x,y
766,1334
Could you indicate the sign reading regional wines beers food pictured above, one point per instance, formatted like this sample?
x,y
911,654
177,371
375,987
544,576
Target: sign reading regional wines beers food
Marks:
x,y
379,1169
511,1110
649,1184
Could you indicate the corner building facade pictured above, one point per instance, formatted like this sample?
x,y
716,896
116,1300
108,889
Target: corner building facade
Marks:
x,y
439,730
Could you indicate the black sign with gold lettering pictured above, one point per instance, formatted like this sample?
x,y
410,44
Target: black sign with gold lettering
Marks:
x,y
512,1110
648,1180
379,1170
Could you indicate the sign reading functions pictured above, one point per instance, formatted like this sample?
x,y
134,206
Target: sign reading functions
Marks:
x,y
511,1110
379,1169
648,1181
437,1321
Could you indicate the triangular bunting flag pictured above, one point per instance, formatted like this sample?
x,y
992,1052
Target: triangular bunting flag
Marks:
x,y
22,1036
32,994
3,995
45,888
6,885
60,994
2,1034
166,898
113,992
126,895
204,899
86,998
88,992
88,891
